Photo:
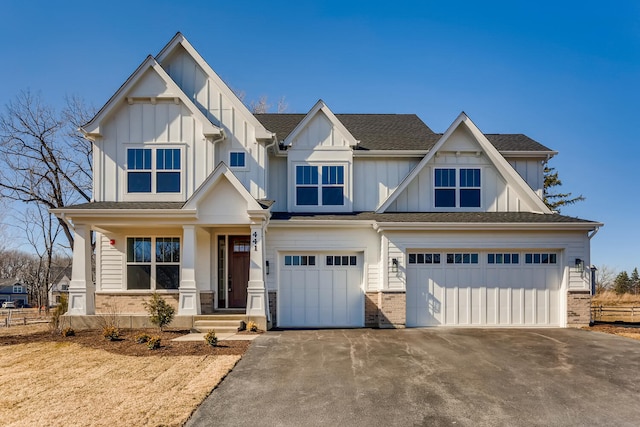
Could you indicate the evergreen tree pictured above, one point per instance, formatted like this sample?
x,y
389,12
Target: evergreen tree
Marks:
x,y
622,284
635,281
556,200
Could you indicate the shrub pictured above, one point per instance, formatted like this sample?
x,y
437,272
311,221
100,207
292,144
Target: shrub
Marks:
x,y
142,338
160,312
59,311
111,333
153,343
68,332
252,326
211,338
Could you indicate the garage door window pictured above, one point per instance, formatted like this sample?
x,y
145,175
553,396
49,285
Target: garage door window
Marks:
x,y
503,258
540,258
341,260
303,260
463,258
424,258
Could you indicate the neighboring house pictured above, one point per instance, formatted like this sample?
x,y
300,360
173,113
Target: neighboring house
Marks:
x,y
59,288
317,219
13,290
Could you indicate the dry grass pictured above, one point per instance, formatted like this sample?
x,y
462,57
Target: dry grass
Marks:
x,y
623,331
611,298
66,384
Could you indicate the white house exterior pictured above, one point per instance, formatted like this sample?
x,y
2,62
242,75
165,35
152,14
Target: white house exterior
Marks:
x,y
317,219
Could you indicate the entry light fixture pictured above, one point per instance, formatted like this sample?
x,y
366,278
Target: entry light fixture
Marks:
x,y
266,267
579,265
394,265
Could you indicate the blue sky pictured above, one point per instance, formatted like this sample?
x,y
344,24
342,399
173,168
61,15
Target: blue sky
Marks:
x,y
564,73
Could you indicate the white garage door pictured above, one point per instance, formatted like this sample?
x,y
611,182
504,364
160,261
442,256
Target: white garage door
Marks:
x,y
321,290
509,288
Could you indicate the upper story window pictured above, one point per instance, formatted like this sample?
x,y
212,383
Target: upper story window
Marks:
x,y
17,289
457,188
237,159
143,177
326,190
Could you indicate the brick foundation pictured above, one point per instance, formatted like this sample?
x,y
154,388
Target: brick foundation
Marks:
x,y
273,310
129,303
578,309
385,309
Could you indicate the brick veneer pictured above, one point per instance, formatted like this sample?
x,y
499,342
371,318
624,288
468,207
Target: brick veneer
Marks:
x,y
578,308
385,309
129,303
273,308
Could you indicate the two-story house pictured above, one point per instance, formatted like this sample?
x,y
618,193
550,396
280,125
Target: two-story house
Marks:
x,y
317,219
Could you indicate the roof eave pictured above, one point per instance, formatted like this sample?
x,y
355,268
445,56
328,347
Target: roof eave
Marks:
x,y
489,226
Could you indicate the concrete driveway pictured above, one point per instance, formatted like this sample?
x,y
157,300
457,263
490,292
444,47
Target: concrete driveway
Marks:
x,y
432,377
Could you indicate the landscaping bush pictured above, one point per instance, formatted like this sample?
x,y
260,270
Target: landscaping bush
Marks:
x,y
142,338
252,326
160,312
211,338
59,311
111,333
153,343
68,332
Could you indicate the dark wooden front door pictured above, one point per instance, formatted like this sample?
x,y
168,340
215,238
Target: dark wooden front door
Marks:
x,y
239,247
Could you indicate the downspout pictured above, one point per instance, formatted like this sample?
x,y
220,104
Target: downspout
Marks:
x,y
593,233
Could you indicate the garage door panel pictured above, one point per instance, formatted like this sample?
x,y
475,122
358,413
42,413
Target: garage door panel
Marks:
x,y
503,294
321,294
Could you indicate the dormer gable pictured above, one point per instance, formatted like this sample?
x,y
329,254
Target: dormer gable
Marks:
x,y
463,171
191,72
151,84
320,129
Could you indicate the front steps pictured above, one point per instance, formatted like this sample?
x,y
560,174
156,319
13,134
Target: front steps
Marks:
x,y
221,323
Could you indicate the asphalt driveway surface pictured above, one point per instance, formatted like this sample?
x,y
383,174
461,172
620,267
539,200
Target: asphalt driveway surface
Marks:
x,y
431,377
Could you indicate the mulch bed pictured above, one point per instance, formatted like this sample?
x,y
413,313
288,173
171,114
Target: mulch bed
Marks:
x,y
128,346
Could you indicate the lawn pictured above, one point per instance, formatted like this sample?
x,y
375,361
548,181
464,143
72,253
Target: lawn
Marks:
x,y
88,381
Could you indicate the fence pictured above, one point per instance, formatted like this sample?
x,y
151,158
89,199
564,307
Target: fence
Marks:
x,y
16,317
613,313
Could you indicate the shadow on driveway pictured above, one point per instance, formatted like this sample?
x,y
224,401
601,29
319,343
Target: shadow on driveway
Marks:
x,y
461,377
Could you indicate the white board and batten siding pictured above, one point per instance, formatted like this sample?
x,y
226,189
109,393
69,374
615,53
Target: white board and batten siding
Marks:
x,y
374,179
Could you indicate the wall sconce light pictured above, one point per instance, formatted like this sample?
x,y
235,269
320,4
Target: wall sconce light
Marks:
x,y
394,265
266,267
579,265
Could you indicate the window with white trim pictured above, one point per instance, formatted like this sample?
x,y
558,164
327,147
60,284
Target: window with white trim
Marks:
x,y
319,186
462,258
17,289
299,260
153,263
333,260
457,188
423,258
237,159
154,170
540,258
502,258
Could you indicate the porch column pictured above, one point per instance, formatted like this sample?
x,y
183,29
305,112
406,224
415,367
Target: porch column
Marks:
x,y
82,290
189,303
256,291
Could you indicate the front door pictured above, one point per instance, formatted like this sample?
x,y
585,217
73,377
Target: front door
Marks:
x,y
239,247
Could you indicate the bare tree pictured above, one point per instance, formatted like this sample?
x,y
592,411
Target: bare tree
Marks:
x,y
260,106
43,161
605,277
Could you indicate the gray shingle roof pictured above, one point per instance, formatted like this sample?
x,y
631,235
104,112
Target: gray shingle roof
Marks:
x,y
438,217
393,132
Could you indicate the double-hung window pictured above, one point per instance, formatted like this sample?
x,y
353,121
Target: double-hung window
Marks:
x,y
153,263
237,159
143,177
457,188
326,190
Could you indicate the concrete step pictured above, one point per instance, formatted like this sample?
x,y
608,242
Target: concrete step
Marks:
x,y
237,317
218,330
219,323
230,323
